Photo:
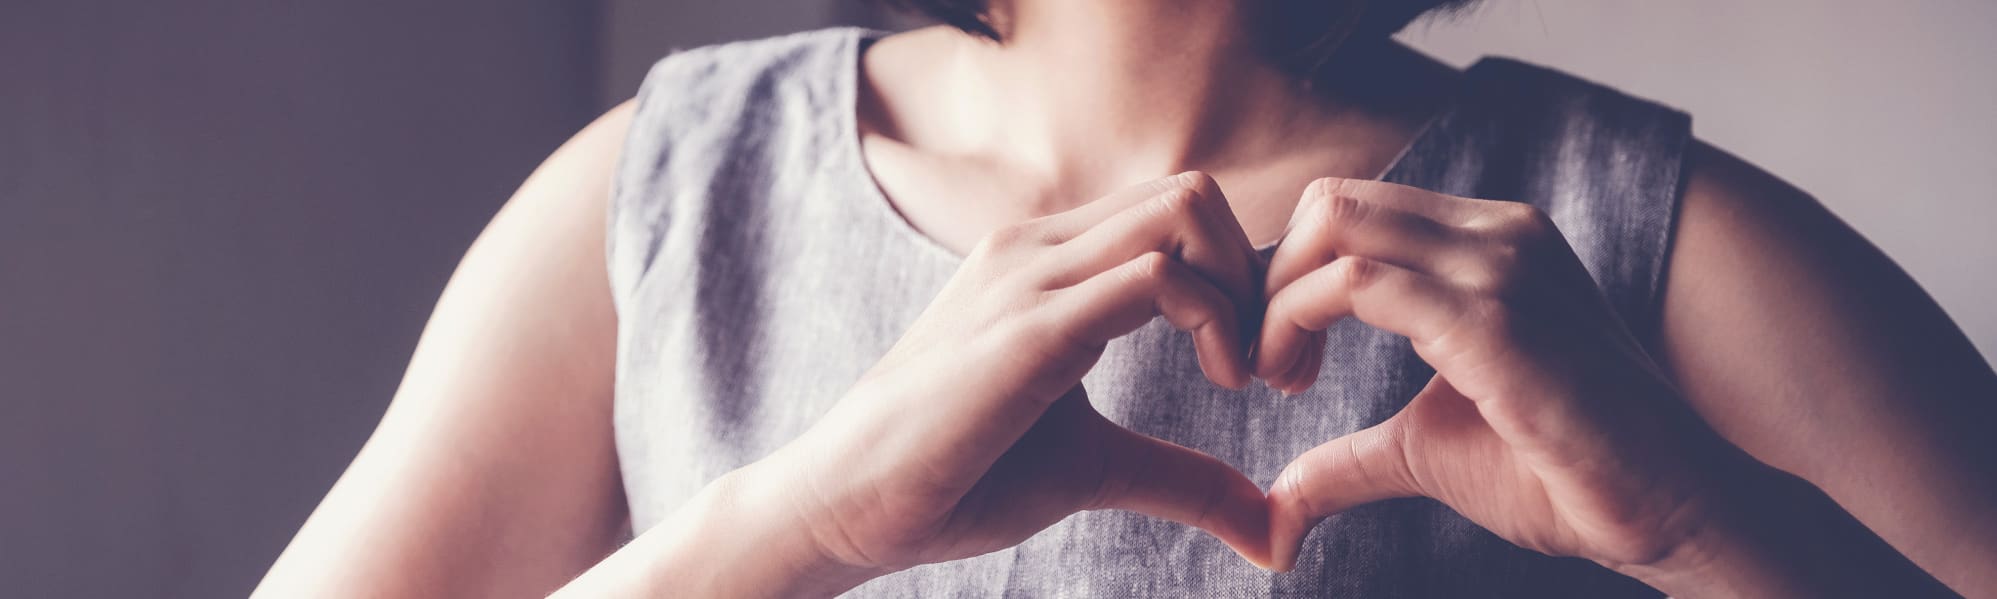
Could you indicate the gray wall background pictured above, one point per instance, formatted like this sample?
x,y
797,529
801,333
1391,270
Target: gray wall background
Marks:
x,y
222,222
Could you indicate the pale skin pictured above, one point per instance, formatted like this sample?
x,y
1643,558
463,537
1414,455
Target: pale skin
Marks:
x,y
1787,345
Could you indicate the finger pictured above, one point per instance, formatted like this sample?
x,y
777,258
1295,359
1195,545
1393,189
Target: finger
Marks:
x,y
1442,208
1344,473
1399,300
1328,225
1066,225
1058,228
1192,223
1163,480
1111,304
1305,368
1470,215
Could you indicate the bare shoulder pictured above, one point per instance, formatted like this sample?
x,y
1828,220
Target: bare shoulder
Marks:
x,y
546,246
1729,201
591,155
1761,275
1749,242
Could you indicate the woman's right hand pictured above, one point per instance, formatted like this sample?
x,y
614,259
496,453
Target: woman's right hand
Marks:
x,y
973,432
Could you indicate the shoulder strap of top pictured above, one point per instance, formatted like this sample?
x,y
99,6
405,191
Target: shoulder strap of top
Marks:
x,y
1606,166
719,123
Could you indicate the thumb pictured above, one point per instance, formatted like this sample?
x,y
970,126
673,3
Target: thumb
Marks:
x,y
1164,480
1344,473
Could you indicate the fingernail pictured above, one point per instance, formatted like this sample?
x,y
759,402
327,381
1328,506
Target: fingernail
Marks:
x,y
1275,370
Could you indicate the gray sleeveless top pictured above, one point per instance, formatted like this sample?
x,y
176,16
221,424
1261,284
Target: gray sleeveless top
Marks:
x,y
758,271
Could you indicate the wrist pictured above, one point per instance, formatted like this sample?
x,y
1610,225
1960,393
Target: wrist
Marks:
x,y
759,518
1764,533
740,536
1695,564
1721,549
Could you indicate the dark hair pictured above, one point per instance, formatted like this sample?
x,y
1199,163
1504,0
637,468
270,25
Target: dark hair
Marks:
x,y
1301,32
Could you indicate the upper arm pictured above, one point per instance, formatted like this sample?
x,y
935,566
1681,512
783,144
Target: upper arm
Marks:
x,y
1809,348
494,470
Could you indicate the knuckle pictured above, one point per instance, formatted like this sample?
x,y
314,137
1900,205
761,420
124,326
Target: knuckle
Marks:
x,y
1522,221
1002,239
1517,210
1514,240
1325,187
1163,184
1354,272
1344,212
1295,483
1179,204
1148,269
1197,181
1499,269
1320,187
1506,257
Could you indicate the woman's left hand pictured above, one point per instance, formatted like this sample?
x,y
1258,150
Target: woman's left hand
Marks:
x,y
1546,422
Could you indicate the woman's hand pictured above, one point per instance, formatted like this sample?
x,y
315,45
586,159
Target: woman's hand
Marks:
x,y
1546,422
973,432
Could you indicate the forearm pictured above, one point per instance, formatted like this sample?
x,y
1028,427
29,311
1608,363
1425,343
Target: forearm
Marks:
x,y
1772,535
725,542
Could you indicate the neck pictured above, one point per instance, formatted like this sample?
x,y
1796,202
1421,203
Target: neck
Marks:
x,y
1095,94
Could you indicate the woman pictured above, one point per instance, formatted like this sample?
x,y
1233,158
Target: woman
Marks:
x,y
879,316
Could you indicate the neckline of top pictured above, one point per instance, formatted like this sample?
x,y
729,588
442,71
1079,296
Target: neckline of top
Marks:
x,y
852,152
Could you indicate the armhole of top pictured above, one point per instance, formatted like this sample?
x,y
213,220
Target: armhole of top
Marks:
x,y
1665,137
631,232
1643,143
1652,333
696,96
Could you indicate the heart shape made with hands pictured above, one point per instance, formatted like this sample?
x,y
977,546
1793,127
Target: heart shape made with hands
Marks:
x,y
1546,423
